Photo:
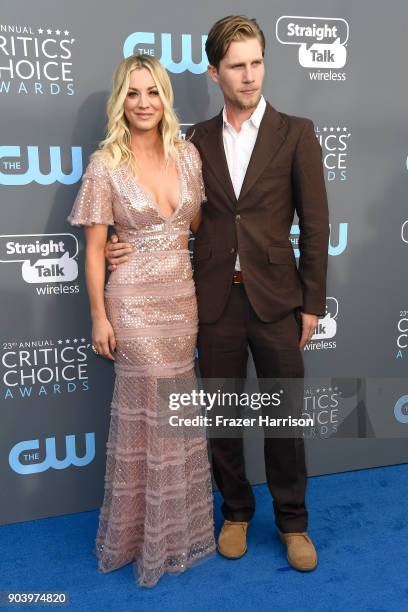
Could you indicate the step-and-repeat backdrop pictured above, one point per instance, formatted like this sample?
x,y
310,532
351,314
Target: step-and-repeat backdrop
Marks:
x,y
341,63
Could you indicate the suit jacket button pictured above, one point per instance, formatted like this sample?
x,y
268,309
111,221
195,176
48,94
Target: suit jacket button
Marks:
x,y
232,251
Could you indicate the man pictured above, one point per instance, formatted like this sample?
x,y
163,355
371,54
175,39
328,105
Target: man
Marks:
x,y
259,167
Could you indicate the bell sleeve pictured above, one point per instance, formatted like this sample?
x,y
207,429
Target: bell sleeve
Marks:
x,y
94,201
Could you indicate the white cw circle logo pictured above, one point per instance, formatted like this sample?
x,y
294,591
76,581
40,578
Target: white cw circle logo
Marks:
x,y
404,231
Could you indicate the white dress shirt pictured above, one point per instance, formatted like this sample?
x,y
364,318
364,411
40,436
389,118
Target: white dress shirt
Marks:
x,y
238,147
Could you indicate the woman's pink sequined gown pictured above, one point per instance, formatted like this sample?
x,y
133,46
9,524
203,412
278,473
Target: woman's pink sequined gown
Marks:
x,y
157,508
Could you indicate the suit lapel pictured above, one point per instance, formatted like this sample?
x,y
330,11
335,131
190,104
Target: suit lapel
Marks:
x,y
271,135
212,148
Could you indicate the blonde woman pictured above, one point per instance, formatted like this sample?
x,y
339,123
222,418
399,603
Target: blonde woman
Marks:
x,y
157,508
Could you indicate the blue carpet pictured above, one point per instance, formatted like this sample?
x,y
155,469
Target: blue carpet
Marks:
x,y
358,521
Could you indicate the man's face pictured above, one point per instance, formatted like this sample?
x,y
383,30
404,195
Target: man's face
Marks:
x,y
241,73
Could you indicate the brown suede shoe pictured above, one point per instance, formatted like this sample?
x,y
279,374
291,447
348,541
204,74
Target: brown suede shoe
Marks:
x,y
232,539
301,554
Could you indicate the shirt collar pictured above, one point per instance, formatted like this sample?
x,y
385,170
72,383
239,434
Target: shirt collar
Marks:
x,y
255,118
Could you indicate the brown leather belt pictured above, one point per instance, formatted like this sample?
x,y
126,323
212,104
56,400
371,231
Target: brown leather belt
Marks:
x,y
237,277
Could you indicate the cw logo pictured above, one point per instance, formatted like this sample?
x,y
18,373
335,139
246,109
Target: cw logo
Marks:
x,y
136,41
28,449
334,249
12,161
401,409
404,231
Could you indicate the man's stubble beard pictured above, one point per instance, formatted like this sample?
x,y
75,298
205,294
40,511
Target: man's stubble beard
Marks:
x,y
242,105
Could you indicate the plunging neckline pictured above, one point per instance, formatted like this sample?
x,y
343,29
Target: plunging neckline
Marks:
x,y
152,201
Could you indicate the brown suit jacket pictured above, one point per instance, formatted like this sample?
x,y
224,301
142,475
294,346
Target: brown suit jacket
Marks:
x,y
284,175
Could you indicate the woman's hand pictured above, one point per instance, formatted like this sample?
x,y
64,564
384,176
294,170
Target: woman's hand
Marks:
x,y
103,338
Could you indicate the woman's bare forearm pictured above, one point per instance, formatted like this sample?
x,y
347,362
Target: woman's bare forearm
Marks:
x,y
95,269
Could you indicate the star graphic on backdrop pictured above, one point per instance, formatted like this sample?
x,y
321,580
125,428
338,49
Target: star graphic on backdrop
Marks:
x,y
58,32
66,32
40,30
49,31
59,341
67,341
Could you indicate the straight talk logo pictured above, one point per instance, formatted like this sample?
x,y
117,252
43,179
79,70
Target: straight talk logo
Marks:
x,y
321,43
326,331
44,259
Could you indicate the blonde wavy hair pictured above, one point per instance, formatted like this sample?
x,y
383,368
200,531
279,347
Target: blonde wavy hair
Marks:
x,y
115,148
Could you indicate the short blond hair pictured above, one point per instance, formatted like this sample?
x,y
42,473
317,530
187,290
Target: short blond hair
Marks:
x,y
227,30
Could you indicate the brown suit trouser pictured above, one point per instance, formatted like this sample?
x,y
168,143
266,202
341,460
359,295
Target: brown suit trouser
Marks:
x,y
223,353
